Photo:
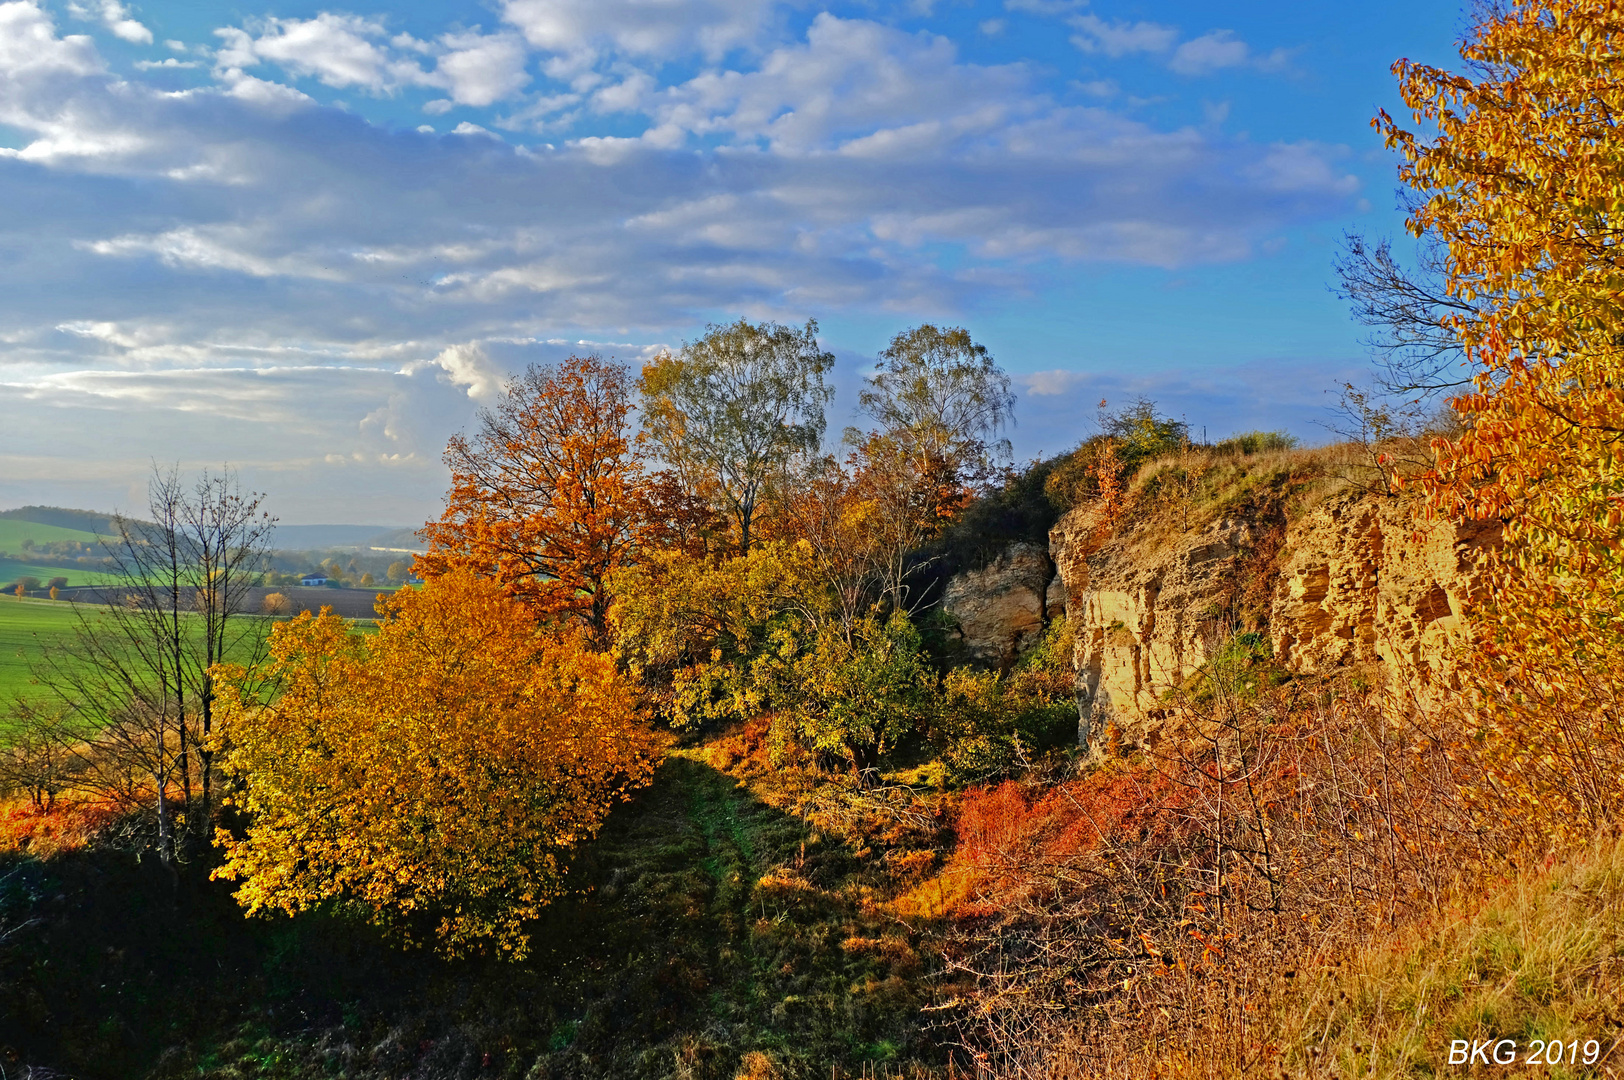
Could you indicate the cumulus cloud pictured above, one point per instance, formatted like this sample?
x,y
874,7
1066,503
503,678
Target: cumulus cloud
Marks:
x,y
363,283
344,51
115,17
481,69
468,366
650,28
31,50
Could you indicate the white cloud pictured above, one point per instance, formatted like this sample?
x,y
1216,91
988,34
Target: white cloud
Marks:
x,y
168,62
855,82
1306,166
345,51
30,50
648,28
339,50
480,70
230,248
1051,383
1116,39
1203,55
1045,7
468,366
114,16
1209,53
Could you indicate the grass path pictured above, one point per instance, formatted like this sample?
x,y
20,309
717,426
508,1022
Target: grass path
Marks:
x,y
708,935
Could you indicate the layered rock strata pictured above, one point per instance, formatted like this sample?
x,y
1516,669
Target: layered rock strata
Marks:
x,y
1360,580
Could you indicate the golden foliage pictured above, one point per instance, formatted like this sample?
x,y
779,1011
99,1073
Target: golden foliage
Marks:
x,y
704,627
1524,186
436,773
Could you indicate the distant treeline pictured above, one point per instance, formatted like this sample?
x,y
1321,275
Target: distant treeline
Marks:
x,y
84,520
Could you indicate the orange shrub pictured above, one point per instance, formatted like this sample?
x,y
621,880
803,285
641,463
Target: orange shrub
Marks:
x,y
69,825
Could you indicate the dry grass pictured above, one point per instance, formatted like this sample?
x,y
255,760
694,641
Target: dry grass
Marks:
x,y
70,824
1138,922
1540,957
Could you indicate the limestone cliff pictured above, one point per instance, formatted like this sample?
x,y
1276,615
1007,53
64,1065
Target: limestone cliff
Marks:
x,y
1002,608
1369,581
1341,579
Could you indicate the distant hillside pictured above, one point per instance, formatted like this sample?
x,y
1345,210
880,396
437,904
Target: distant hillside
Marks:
x,y
45,524
316,537
89,521
397,538
17,536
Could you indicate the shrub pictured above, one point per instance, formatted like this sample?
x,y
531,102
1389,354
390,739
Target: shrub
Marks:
x,y
986,725
859,697
1129,437
1255,442
435,774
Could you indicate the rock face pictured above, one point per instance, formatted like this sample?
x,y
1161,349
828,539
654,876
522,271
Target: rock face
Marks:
x,y
1369,582
1144,620
1002,609
1359,580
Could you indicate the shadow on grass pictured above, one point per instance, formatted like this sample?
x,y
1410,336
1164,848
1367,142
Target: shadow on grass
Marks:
x,y
706,926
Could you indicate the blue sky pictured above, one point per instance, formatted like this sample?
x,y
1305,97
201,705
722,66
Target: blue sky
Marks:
x,y
310,240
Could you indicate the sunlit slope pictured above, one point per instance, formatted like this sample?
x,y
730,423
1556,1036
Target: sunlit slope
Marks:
x,y
13,534
1539,961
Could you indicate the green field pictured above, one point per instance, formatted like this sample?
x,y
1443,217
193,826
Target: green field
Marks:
x,y
27,625
24,626
12,569
13,532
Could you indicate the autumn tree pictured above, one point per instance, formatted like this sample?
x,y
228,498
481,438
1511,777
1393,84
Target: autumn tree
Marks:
x,y
942,396
714,636
1518,170
436,774
939,401
546,498
729,410
136,679
857,697
834,516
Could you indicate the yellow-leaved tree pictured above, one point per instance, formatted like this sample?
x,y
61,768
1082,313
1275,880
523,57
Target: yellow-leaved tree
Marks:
x,y
436,774
1519,169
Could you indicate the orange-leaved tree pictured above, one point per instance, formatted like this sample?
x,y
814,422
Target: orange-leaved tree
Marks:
x,y
548,497
1519,172
436,774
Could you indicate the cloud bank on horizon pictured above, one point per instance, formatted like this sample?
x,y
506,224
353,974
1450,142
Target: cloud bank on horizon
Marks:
x,y
311,243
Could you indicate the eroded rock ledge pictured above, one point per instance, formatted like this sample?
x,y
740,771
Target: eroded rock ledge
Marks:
x,y
1345,580
1359,580
1003,608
